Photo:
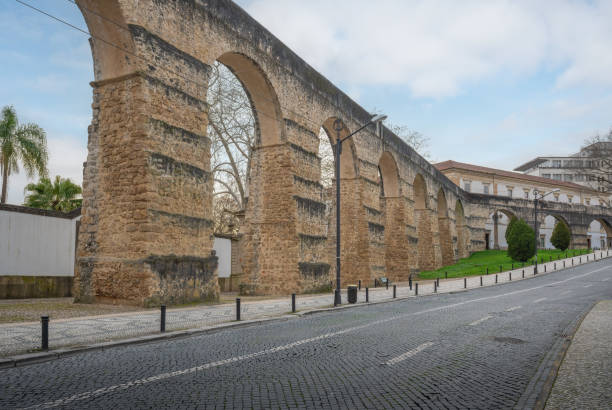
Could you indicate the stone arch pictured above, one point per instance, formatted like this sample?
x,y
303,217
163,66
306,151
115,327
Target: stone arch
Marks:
x,y
348,162
461,229
396,255
446,245
495,228
106,23
599,234
261,94
269,228
390,175
546,225
422,219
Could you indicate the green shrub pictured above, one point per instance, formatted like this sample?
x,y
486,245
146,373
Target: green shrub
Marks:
x,y
561,236
521,241
510,226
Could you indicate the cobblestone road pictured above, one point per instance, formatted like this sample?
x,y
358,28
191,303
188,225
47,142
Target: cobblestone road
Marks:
x,y
20,338
481,348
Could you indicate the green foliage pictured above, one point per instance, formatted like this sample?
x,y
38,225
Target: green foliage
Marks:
x,y
510,227
478,262
59,195
25,144
561,236
521,242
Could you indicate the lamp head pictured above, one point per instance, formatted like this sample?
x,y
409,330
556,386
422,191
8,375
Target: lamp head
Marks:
x,y
378,118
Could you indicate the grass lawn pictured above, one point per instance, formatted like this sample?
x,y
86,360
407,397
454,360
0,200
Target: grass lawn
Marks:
x,y
478,263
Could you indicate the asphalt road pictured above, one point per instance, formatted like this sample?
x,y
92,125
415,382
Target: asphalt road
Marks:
x,y
483,348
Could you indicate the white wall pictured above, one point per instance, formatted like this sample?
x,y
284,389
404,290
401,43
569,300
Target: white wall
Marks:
x,y
34,245
223,247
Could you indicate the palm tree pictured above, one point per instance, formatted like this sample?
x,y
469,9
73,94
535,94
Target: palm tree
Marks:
x,y
59,195
20,143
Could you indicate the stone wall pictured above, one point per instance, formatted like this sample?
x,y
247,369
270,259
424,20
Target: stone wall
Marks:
x,y
146,235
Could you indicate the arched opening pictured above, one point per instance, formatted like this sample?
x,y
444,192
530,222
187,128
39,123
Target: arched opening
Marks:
x,y
599,234
495,229
422,220
546,228
354,264
392,204
446,245
253,127
460,226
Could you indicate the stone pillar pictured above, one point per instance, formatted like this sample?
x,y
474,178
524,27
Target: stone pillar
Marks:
x,y
495,231
146,231
396,250
270,260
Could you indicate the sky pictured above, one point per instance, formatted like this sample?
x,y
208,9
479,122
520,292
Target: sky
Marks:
x,y
490,82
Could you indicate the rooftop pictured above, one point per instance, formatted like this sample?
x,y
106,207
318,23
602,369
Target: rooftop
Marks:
x,y
446,165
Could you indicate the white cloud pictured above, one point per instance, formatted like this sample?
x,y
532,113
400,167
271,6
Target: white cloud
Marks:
x,y
439,48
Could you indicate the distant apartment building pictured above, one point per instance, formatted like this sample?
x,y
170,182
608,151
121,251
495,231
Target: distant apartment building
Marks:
x,y
583,168
491,181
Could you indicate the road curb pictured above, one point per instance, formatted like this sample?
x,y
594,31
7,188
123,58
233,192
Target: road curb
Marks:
x,y
541,384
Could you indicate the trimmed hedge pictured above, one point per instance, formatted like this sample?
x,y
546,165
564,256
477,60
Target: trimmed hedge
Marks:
x,y
561,236
521,241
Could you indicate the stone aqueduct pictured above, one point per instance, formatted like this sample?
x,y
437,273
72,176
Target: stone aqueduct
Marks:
x,y
146,231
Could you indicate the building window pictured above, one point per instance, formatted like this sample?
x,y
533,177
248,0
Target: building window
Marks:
x,y
542,241
546,175
569,198
510,192
557,177
526,194
579,177
556,163
568,177
486,188
467,185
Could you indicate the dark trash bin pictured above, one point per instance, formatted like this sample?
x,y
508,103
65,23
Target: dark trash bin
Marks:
x,y
352,293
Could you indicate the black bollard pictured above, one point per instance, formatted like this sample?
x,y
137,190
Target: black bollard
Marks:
x,y
238,309
387,284
359,284
438,282
367,295
496,278
416,289
544,268
564,264
523,273
293,303
375,283
162,322
464,283
481,281
435,287
394,291
410,281
44,322
510,276
555,266
487,270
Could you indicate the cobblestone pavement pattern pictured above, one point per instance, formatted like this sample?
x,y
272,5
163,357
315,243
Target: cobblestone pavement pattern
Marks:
x,y
477,349
585,377
20,338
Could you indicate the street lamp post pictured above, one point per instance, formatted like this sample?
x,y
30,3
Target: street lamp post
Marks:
x,y
535,223
339,126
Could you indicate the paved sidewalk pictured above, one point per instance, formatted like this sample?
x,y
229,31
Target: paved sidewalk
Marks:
x,y
16,338
584,380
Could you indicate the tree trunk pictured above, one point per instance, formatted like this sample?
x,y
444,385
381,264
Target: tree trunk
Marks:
x,y
4,182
